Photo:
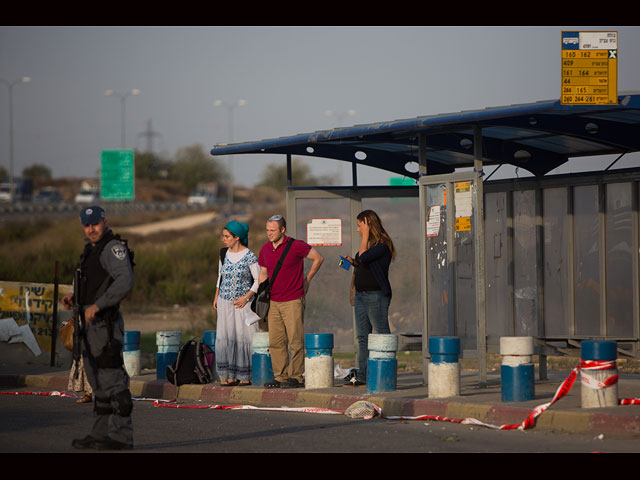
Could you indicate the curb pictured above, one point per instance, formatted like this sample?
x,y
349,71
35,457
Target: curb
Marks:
x,y
570,421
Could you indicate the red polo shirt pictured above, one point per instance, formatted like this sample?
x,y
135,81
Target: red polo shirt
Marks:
x,y
289,284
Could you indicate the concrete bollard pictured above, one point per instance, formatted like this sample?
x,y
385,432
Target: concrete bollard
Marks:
x,y
318,361
599,374
261,368
444,368
382,365
209,339
168,344
131,354
517,369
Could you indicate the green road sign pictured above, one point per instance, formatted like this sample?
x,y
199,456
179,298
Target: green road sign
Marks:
x,y
117,175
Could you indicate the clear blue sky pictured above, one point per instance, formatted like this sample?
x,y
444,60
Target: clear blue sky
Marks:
x,y
288,76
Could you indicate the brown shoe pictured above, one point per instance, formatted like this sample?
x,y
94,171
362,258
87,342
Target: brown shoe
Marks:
x,y
85,399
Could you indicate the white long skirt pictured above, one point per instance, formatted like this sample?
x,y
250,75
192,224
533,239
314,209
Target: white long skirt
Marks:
x,y
233,340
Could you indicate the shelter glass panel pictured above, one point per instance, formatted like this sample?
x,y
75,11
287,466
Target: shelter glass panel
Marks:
x,y
399,217
619,242
440,300
465,284
525,260
556,262
498,267
586,260
327,306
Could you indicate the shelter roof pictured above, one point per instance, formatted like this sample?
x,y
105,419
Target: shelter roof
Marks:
x,y
537,137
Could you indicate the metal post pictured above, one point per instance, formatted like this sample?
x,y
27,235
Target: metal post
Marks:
x,y
54,319
481,299
424,258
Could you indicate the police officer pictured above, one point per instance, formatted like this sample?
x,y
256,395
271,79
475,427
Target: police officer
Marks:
x,y
104,278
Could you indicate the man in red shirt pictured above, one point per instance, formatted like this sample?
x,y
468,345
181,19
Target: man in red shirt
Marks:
x,y
286,311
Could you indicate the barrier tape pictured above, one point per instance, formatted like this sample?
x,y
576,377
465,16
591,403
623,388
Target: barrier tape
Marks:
x,y
528,422
43,394
592,382
562,390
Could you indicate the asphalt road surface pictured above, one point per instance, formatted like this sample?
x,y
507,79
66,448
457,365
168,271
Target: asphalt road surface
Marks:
x,y
48,424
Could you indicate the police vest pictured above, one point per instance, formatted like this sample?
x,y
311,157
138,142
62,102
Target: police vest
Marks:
x,y
94,279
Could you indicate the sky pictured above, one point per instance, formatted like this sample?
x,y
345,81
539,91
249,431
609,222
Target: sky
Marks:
x,y
287,76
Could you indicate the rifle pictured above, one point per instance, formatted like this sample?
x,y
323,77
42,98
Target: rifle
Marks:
x,y
77,351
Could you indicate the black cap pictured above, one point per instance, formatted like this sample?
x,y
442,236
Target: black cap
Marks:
x,y
91,215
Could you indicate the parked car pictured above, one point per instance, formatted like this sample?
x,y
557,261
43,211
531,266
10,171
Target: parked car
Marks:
x,y
202,198
48,195
22,190
87,196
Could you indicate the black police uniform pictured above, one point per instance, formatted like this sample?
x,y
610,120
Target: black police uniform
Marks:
x,y
106,278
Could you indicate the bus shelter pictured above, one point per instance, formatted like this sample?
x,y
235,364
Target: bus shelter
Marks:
x,y
549,256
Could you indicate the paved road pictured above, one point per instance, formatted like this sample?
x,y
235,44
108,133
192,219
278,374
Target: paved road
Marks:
x,y
46,424
180,223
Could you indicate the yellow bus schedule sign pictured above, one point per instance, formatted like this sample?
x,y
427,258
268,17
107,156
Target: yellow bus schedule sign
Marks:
x,y
589,68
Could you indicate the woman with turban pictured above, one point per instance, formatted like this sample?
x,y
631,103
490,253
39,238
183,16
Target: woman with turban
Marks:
x,y
238,271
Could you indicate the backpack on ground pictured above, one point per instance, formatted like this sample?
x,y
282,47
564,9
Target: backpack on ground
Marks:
x,y
194,364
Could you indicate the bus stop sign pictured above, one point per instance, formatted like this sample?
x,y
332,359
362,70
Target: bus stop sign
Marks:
x,y
589,68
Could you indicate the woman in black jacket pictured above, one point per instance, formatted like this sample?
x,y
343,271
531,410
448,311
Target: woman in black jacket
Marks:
x,y
373,290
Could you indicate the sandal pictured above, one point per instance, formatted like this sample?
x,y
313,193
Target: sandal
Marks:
x,y
229,384
85,399
273,384
244,384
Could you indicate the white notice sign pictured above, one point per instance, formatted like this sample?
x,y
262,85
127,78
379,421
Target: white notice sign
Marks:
x,y
433,223
324,232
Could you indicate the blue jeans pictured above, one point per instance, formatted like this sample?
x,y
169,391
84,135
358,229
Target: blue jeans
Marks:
x,y
372,316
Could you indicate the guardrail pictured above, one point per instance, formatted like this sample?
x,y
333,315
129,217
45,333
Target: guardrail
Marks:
x,y
71,208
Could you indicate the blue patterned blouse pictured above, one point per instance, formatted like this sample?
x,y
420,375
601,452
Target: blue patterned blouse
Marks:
x,y
236,278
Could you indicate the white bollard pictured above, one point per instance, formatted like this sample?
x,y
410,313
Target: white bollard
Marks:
x,y
599,374
444,368
382,365
131,354
261,368
318,361
517,369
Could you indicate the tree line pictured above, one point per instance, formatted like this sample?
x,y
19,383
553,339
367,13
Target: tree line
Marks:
x,y
192,165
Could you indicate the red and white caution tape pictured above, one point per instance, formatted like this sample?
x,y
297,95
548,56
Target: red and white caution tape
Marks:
x,y
373,409
43,394
590,381
562,390
174,404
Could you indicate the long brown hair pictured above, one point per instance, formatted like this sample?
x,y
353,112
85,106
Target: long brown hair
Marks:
x,y
377,231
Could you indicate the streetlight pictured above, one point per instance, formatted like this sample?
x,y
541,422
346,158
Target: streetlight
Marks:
x,y
230,108
340,116
10,85
123,98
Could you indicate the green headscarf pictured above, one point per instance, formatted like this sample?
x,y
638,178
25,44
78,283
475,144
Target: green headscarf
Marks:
x,y
240,230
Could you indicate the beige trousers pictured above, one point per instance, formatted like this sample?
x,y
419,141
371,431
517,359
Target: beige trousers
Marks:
x,y
286,339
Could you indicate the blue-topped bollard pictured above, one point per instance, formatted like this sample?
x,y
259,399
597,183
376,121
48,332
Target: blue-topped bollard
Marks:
x,y
382,365
209,339
517,370
444,367
599,373
168,344
261,368
318,361
131,354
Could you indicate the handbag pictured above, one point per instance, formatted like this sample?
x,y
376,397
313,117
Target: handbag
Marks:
x,y
262,299
66,334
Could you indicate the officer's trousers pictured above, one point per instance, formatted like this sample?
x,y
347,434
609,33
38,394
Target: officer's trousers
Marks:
x,y
112,398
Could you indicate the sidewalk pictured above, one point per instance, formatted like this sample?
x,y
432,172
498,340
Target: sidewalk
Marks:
x,y
410,399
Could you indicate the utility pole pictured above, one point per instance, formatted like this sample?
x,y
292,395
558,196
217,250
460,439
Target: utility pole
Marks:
x,y
149,134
